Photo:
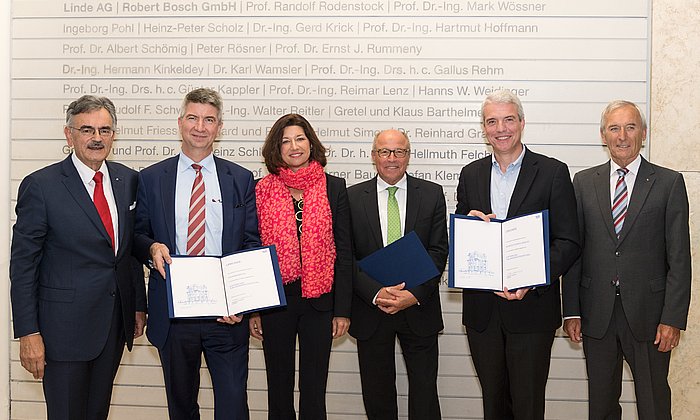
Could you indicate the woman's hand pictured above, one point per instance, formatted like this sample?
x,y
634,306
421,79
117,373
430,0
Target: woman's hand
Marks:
x,y
340,326
255,324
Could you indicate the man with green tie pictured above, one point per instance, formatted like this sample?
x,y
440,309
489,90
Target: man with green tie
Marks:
x,y
383,209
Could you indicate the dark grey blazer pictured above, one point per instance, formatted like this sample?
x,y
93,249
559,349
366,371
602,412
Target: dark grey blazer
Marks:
x,y
651,258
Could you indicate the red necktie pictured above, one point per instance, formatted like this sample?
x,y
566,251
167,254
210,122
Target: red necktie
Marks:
x,y
102,206
195,225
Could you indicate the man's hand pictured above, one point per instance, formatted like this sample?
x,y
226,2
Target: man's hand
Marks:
x,y
140,324
667,337
572,327
160,255
398,300
481,215
517,295
341,325
230,319
255,324
31,354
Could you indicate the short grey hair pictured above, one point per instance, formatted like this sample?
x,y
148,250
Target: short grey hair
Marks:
x,y
376,136
204,96
617,104
90,103
503,96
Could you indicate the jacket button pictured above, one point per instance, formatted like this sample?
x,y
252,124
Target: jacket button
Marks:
x,y
112,293
617,253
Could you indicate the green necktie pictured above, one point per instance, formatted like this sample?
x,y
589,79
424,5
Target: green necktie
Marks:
x,y
393,219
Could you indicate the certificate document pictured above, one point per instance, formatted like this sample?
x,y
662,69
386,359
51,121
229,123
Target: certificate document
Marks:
x,y
512,253
241,282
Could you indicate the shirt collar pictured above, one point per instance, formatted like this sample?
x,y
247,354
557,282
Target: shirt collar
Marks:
x,y
383,185
207,163
515,164
85,172
633,167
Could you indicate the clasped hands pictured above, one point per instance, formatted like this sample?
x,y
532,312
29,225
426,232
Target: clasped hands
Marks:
x,y
392,299
160,255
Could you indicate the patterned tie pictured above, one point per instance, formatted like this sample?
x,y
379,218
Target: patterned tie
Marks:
x,y
619,206
393,231
195,225
102,207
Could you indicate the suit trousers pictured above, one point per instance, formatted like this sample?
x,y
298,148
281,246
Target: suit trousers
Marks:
x,y
82,390
604,366
225,349
512,369
314,329
378,371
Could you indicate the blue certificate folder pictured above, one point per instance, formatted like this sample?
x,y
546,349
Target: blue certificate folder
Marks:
x,y
511,253
404,260
237,283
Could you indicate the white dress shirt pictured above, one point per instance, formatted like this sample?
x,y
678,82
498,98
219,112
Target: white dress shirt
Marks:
x,y
383,198
214,213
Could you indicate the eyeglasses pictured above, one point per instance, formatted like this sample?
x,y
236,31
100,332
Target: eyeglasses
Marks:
x,y
399,153
89,131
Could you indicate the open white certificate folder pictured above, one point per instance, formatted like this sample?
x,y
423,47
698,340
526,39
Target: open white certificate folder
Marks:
x,y
512,253
245,281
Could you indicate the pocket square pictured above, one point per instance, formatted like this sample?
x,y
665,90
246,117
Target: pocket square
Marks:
x,y
132,206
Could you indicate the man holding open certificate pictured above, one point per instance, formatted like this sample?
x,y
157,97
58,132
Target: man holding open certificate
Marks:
x,y
511,332
196,204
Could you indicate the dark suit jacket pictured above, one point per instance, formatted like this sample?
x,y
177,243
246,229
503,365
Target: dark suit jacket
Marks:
x,y
426,215
651,258
63,269
543,183
155,222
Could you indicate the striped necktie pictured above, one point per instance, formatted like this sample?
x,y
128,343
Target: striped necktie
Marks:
x,y
619,205
195,225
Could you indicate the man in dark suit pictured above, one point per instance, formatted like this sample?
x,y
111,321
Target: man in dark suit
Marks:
x,y
628,294
77,294
380,313
167,195
511,332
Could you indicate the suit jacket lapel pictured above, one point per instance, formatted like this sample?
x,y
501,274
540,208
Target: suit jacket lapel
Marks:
x,y
601,183
642,185
413,198
167,191
483,185
226,180
372,213
528,172
77,190
120,200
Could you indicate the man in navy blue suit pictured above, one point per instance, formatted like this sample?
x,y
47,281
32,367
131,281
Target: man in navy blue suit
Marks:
x,y
77,294
166,196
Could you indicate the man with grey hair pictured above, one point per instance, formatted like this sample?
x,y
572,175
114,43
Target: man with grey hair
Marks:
x,y
383,209
77,294
629,292
511,332
196,204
